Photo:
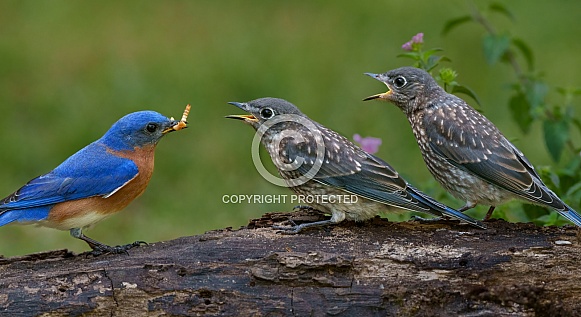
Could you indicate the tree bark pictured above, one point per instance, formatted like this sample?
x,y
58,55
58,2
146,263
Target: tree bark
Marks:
x,y
374,268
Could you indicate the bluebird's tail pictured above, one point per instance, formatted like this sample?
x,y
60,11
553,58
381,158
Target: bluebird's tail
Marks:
x,y
7,217
571,215
445,210
23,215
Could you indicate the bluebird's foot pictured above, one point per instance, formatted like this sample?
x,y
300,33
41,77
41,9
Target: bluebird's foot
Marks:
x,y
104,249
100,248
294,228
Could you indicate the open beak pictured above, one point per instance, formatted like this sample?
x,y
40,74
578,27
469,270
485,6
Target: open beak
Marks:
x,y
245,117
384,95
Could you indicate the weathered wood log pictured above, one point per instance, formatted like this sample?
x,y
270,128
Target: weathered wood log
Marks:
x,y
375,268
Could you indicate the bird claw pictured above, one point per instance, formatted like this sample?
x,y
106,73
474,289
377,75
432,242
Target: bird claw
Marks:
x,y
119,249
288,230
293,229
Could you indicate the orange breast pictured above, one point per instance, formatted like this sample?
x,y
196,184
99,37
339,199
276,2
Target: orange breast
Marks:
x,y
84,212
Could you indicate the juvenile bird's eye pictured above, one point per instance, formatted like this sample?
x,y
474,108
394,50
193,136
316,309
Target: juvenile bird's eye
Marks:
x,y
266,113
151,127
399,82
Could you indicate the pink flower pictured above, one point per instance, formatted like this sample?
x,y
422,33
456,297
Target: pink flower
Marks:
x,y
368,144
418,38
412,45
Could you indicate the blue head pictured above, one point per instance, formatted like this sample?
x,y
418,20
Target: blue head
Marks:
x,y
138,129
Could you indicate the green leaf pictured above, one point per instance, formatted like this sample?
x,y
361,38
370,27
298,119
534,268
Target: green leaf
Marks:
x,y
573,168
569,93
563,91
425,55
577,123
536,212
556,136
550,219
573,189
520,111
494,47
525,51
467,91
413,55
500,8
434,60
453,23
535,93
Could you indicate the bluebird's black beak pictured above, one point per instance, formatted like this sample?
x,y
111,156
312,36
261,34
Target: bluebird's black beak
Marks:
x,y
384,95
248,118
170,127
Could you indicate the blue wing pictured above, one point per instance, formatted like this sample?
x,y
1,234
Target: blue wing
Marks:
x,y
93,171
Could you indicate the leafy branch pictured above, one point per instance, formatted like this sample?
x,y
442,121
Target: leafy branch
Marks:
x,y
528,102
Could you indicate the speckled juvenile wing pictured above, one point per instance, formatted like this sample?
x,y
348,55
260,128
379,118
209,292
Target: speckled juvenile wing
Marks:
x,y
465,138
347,167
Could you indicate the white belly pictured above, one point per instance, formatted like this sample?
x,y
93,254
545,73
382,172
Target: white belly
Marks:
x,y
81,221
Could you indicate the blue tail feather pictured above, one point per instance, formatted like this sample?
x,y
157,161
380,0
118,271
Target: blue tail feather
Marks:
x,y
24,215
445,210
571,215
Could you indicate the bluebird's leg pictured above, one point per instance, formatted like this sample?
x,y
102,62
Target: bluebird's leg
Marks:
x,y
100,248
468,205
489,213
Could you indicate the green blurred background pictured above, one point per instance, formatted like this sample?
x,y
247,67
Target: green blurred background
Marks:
x,y
69,69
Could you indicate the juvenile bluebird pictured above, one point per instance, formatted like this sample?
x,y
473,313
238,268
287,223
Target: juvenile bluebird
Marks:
x,y
317,162
464,151
97,181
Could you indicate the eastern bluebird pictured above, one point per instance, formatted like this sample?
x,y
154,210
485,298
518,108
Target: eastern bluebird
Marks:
x,y
97,181
317,162
464,151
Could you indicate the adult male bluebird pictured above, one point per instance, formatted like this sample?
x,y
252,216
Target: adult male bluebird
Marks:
x,y
317,162
464,151
97,181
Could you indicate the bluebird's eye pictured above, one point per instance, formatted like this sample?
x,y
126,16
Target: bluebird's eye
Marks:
x,y
266,113
399,82
151,127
